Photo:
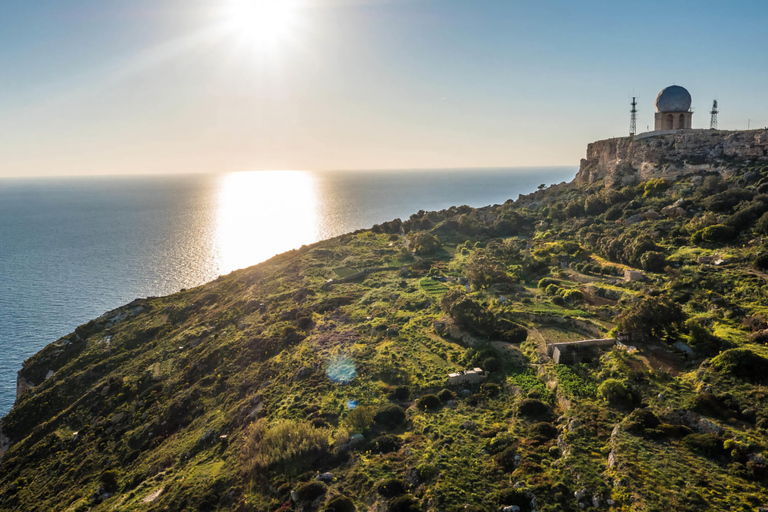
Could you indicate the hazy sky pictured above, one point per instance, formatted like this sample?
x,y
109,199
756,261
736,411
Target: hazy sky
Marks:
x,y
141,86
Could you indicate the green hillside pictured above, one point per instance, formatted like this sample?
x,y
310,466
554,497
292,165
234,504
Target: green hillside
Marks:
x,y
306,383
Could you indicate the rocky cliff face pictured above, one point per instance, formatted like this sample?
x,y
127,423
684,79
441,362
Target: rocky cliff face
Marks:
x,y
625,161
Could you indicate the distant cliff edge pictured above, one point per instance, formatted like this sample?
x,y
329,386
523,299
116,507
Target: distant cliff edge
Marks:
x,y
626,160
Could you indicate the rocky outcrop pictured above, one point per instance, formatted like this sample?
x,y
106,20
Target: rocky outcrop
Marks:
x,y
626,161
5,443
22,386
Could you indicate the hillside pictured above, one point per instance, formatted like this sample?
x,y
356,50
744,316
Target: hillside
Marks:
x,y
318,380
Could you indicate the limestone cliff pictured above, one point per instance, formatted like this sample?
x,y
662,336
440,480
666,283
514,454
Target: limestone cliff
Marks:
x,y
625,160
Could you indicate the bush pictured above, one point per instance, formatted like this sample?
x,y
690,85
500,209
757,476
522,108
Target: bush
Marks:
x,y
285,442
390,416
360,418
425,244
761,261
708,445
573,296
391,488
483,271
713,234
552,289
614,391
340,504
742,363
445,394
491,390
653,261
430,402
427,471
401,393
641,420
387,444
491,364
533,408
310,491
761,226
403,504
109,481
506,459
513,496
544,282
654,187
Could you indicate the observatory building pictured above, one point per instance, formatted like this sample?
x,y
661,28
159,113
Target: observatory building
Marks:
x,y
673,109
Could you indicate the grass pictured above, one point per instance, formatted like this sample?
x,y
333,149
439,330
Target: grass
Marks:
x,y
432,288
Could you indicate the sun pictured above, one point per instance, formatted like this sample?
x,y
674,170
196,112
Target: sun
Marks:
x,y
264,25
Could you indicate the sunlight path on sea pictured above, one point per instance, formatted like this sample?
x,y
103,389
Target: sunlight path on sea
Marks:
x,y
260,214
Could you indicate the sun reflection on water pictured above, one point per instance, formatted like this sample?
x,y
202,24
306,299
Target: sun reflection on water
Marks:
x,y
263,213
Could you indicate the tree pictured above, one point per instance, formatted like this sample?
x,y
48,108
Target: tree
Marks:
x,y
425,244
658,316
483,271
653,261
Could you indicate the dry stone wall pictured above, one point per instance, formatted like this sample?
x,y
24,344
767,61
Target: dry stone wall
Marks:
x,y
625,161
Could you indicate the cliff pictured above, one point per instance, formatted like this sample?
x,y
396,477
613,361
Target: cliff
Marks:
x,y
316,382
627,161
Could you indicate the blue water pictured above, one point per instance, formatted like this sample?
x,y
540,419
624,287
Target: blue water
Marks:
x,y
71,249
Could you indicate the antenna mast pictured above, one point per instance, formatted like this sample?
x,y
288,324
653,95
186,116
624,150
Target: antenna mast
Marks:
x,y
713,122
633,121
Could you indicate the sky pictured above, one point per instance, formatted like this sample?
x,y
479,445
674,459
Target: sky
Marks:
x,y
178,86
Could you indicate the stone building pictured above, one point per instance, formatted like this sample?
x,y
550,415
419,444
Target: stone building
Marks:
x,y
673,109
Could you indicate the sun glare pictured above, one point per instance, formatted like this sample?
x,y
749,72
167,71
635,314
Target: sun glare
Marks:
x,y
264,213
264,25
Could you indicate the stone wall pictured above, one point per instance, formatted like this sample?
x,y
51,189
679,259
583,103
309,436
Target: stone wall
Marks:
x,y
625,161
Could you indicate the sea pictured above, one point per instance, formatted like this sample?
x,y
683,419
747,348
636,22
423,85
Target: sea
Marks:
x,y
73,248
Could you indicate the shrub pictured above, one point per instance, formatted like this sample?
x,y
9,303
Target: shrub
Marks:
x,y
708,445
445,394
431,402
654,187
360,418
427,471
491,364
340,504
390,488
387,444
573,295
761,261
109,481
546,281
425,244
506,459
533,408
285,442
491,389
552,289
742,363
483,271
653,261
310,491
403,504
702,338
761,226
614,391
640,420
713,234
401,393
390,416
514,496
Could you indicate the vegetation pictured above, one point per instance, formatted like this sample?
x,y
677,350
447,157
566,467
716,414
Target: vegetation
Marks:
x,y
307,383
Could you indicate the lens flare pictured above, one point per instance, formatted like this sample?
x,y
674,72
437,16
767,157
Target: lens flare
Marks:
x,y
340,369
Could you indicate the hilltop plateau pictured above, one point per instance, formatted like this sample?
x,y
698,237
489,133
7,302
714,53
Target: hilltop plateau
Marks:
x,y
319,379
